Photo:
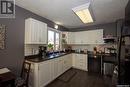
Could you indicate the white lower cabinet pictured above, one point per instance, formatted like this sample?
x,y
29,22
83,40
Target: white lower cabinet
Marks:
x,y
80,61
67,62
44,72
60,66
56,68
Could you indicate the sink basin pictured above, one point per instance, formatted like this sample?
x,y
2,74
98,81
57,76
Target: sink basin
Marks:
x,y
56,55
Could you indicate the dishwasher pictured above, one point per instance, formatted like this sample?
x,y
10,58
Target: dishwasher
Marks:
x,y
108,69
108,65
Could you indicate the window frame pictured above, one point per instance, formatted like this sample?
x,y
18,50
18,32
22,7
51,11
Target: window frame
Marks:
x,y
55,31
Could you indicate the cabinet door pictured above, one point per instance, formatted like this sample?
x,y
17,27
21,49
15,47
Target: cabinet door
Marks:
x,y
30,31
56,67
60,66
42,33
96,36
77,38
71,36
52,62
80,61
65,63
69,61
35,32
76,61
73,60
83,62
44,73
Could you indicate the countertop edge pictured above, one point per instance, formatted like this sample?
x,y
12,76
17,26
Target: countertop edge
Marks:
x,y
33,57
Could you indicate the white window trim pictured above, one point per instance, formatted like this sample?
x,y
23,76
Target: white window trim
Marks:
x,y
56,31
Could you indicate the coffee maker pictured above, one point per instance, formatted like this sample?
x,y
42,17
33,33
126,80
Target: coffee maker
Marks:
x,y
42,51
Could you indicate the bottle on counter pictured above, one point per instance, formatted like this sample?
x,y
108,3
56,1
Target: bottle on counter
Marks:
x,y
95,50
85,50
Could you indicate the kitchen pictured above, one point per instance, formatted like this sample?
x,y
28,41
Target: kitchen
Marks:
x,y
61,49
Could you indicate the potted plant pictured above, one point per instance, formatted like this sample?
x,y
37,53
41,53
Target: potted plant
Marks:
x,y
50,47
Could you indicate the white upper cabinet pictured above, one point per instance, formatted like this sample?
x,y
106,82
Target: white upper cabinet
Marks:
x,y
35,32
96,36
78,36
86,37
71,39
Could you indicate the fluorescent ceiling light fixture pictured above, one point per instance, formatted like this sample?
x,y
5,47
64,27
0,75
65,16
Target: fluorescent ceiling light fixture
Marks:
x,y
83,13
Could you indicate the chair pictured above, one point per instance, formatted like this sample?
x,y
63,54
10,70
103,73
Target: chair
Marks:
x,y
23,80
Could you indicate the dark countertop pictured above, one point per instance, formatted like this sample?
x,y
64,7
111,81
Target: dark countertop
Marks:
x,y
106,57
37,59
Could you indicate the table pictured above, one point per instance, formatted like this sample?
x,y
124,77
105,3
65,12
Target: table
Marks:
x,y
7,79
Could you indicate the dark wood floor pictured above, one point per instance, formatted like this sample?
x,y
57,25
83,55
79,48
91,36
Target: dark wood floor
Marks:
x,y
81,79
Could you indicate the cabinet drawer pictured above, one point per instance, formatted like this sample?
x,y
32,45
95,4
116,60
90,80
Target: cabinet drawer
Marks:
x,y
82,60
82,66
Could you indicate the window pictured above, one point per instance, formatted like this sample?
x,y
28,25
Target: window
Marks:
x,y
54,39
50,37
57,41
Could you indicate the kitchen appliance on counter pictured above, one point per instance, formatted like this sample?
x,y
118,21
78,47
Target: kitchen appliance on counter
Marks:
x,y
42,51
110,50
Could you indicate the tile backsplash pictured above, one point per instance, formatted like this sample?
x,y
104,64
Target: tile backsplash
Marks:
x,y
82,47
31,49
34,49
90,47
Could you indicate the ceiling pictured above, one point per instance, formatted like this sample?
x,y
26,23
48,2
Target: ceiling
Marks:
x,y
60,11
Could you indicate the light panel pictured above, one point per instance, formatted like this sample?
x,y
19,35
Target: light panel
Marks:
x,y
83,13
